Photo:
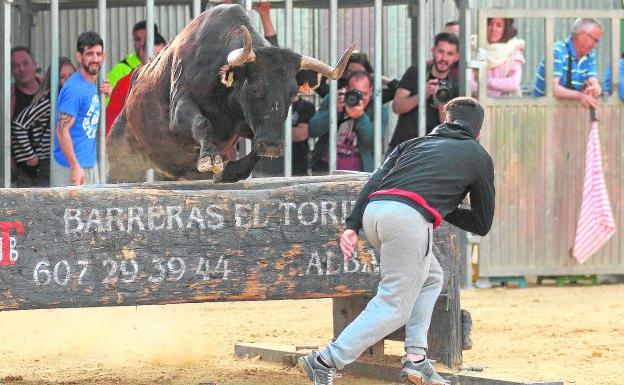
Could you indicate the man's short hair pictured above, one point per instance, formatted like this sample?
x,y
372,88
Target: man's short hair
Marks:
x,y
142,25
87,40
21,48
360,75
467,109
582,24
362,59
448,37
451,23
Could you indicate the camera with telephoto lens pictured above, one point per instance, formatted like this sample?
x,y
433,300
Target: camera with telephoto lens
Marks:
x,y
443,93
352,98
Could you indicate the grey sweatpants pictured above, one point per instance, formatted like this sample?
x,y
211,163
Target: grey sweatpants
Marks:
x,y
411,281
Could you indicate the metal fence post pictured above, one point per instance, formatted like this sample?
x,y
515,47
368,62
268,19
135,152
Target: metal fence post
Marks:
x,y
422,42
54,82
101,79
333,85
377,88
288,16
5,138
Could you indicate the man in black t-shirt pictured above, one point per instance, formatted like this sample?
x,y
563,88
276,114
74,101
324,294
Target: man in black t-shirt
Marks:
x,y
445,53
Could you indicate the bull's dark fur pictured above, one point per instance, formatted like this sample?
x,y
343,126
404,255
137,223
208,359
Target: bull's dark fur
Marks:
x,y
178,110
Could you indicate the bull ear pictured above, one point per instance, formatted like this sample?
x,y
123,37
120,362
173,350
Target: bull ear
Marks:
x,y
227,75
308,81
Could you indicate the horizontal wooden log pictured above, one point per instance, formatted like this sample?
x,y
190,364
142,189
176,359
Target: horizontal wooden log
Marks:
x,y
76,247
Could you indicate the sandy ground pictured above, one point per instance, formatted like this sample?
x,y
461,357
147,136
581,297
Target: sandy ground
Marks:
x,y
574,334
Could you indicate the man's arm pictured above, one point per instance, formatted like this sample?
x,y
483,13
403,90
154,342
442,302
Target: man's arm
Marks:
x,y
403,101
561,92
478,218
354,220
65,122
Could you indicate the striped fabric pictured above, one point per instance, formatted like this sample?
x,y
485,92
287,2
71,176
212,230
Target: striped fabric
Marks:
x,y
596,224
30,131
582,69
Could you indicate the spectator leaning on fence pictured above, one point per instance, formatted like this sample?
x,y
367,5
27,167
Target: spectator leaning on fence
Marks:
x,y
574,66
134,59
504,59
30,133
609,76
75,143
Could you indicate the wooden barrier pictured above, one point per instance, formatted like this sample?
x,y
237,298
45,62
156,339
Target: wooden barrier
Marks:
x,y
163,243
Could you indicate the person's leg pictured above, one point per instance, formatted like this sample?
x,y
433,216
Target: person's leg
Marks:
x,y
418,325
417,369
403,234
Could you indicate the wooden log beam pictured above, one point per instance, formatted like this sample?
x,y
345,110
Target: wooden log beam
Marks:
x,y
68,247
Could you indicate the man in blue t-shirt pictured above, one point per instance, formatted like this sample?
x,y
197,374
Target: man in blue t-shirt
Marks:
x,y
574,66
78,117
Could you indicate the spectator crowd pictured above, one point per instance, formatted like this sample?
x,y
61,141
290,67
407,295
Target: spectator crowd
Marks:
x,y
574,77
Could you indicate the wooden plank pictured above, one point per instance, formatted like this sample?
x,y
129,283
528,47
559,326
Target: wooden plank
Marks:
x,y
386,370
105,247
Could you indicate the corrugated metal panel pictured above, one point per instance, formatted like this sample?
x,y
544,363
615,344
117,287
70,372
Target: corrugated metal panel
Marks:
x,y
170,20
538,153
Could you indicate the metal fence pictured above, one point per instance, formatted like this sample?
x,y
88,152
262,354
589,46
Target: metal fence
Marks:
x,y
538,149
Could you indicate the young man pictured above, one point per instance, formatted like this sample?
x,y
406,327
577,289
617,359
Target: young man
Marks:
x,y
445,54
120,92
422,181
79,116
134,59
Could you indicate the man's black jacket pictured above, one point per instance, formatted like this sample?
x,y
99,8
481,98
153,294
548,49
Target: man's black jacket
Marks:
x,y
433,174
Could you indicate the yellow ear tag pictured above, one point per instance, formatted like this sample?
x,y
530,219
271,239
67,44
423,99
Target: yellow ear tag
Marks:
x,y
230,79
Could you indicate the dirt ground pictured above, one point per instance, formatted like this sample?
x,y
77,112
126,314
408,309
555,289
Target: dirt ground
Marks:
x,y
574,334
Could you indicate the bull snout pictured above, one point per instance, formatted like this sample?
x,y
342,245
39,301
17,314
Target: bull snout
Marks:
x,y
269,149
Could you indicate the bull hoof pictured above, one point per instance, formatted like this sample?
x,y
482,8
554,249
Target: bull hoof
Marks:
x,y
217,165
204,164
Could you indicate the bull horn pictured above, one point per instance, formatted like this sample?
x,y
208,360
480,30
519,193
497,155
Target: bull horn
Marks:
x,y
310,63
240,56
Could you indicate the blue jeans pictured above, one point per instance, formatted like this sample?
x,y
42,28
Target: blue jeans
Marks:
x,y
411,281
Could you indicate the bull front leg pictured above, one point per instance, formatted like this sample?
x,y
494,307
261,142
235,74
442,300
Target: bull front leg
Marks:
x,y
186,116
238,169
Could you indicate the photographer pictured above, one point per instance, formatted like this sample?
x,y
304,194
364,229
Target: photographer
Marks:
x,y
442,86
355,137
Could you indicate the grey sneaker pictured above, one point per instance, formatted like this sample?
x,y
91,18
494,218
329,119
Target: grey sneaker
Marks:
x,y
421,373
317,373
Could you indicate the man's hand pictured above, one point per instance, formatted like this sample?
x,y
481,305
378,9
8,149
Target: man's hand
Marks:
x,y
32,162
355,112
588,100
592,87
348,241
105,88
432,86
77,176
340,100
263,8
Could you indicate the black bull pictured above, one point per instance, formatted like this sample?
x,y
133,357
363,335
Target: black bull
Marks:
x,y
188,107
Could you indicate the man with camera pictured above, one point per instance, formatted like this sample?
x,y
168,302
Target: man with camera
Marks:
x,y
442,86
355,127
